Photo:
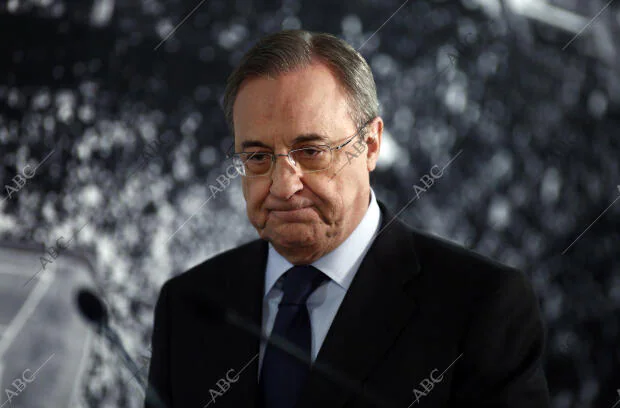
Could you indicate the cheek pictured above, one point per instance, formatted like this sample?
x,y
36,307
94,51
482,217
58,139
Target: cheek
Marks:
x,y
347,184
255,194
329,195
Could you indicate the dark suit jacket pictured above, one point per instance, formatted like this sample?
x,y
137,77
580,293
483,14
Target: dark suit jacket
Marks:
x,y
418,307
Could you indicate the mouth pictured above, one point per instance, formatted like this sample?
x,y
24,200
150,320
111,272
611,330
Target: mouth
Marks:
x,y
293,214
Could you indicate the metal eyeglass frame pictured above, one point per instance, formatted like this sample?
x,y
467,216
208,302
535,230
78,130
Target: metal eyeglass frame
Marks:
x,y
290,159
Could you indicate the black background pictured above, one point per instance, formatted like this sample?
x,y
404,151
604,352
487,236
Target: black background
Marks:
x,y
532,126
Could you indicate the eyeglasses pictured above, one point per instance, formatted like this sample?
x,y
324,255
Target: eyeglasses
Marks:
x,y
310,159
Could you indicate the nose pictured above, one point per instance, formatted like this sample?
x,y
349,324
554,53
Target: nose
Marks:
x,y
285,178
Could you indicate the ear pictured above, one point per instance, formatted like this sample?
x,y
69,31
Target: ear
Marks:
x,y
373,142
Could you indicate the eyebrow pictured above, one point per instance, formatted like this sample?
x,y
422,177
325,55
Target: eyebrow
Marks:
x,y
306,137
311,137
253,143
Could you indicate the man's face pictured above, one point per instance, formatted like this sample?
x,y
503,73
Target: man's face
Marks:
x,y
304,216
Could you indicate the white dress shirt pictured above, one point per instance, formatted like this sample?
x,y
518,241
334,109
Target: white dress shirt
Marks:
x,y
340,266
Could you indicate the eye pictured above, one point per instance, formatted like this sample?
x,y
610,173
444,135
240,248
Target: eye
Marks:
x,y
311,152
257,157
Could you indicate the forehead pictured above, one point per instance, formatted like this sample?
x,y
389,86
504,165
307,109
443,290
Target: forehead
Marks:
x,y
309,100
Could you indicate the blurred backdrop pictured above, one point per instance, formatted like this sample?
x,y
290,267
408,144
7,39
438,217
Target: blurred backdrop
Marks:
x,y
112,138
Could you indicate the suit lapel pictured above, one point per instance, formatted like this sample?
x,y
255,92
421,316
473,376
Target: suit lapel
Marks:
x,y
241,291
379,302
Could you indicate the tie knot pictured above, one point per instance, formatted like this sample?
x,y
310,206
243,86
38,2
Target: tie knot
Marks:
x,y
299,282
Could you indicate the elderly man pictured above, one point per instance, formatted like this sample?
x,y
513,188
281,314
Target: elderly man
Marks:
x,y
366,311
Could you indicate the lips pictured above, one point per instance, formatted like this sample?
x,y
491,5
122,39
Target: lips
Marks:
x,y
288,208
293,214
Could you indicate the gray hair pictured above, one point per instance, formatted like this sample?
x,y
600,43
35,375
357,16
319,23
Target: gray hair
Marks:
x,y
289,50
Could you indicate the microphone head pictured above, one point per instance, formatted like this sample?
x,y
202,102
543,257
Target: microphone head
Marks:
x,y
91,307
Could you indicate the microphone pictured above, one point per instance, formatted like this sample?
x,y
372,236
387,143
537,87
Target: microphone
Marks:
x,y
93,310
218,313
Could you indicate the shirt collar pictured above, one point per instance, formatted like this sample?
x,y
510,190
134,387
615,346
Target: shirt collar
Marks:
x,y
340,263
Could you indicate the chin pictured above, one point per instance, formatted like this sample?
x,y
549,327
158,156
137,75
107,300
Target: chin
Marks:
x,y
291,235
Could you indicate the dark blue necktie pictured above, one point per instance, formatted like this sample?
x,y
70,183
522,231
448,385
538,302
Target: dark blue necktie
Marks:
x,y
282,376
